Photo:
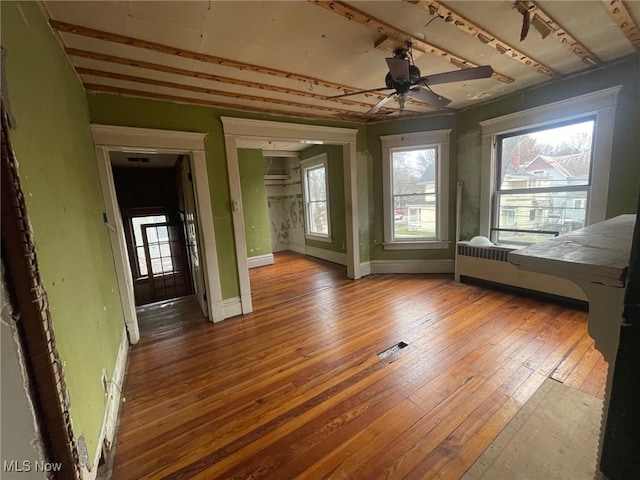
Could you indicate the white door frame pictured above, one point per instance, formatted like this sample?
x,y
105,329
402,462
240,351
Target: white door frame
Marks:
x,y
107,138
236,129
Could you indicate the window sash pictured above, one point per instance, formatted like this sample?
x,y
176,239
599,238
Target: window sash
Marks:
x,y
415,225
499,210
316,202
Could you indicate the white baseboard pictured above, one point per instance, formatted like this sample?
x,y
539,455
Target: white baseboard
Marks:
x,y
412,266
232,307
365,269
112,408
297,247
260,260
328,255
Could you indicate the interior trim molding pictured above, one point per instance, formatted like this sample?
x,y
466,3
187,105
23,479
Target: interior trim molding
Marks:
x,y
107,138
231,307
236,130
113,401
260,260
412,266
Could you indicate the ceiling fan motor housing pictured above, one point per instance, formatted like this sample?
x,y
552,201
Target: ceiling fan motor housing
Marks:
x,y
400,85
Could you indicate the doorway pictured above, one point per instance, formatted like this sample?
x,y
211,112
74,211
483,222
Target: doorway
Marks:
x,y
151,195
109,139
238,130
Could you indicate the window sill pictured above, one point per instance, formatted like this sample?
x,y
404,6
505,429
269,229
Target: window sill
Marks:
x,y
318,238
426,245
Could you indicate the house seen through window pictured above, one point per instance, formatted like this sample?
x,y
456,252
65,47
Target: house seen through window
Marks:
x,y
415,171
543,181
414,191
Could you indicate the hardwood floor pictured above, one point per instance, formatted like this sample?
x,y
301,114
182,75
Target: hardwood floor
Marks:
x,y
297,388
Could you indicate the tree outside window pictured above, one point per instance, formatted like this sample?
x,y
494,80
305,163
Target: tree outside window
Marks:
x,y
544,180
316,193
414,190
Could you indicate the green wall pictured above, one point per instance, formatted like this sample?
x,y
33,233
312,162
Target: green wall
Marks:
x,y
254,202
336,197
136,112
59,176
374,132
624,181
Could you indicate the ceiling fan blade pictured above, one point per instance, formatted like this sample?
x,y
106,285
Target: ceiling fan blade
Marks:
x,y
427,96
484,71
380,104
358,92
399,68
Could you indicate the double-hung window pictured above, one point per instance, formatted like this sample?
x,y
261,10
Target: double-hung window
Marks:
x,y
315,190
545,171
415,189
543,181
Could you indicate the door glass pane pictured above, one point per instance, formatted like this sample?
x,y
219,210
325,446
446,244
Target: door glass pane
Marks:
x,y
153,234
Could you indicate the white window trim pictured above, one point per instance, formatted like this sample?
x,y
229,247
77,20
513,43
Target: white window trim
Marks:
x,y
307,164
440,139
602,104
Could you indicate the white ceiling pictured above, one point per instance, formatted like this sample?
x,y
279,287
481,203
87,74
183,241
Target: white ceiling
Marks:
x,y
301,39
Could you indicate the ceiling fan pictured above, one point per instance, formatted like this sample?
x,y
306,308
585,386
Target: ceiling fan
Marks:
x,y
405,80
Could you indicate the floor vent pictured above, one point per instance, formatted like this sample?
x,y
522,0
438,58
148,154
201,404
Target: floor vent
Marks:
x,y
393,349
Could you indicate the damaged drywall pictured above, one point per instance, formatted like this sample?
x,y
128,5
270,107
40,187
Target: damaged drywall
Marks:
x,y
286,209
20,442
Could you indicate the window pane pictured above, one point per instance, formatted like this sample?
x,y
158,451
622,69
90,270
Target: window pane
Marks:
x,y
560,212
318,218
316,185
152,236
137,222
414,171
551,157
142,261
415,217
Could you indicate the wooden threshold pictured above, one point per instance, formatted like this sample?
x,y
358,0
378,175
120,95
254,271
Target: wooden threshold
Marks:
x,y
297,388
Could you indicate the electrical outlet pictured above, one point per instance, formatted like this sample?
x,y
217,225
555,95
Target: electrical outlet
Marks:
x,y
105,381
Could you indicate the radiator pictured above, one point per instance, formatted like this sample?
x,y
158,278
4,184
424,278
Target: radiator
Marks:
x,y
490,263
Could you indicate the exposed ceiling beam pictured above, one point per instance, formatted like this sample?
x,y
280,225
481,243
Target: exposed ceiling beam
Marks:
x,y
625,21
95,87
390,31
207,76
207,91
486,37
543,22
200,57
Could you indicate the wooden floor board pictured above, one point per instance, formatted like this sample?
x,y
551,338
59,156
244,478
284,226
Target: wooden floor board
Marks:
x,y
297,389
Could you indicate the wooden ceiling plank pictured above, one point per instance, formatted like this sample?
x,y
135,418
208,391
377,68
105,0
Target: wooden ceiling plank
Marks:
x,y
618,10
207,91
95,87
383,28
205,76
559,32
390,45
201,57
467,26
